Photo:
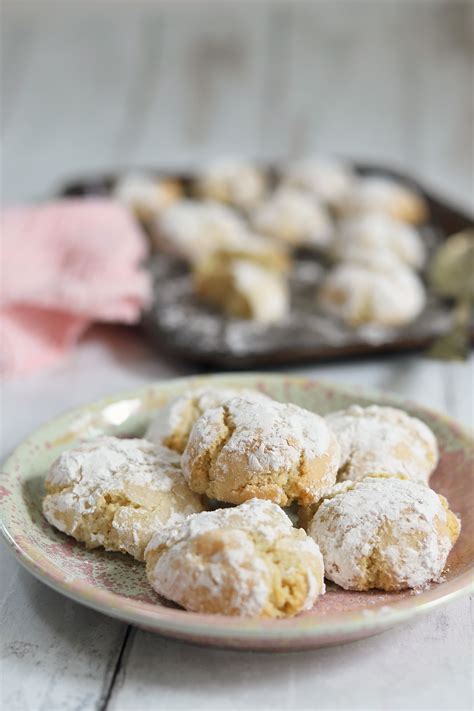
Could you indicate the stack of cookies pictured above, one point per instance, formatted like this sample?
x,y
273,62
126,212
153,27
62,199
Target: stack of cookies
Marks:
x,y
208,497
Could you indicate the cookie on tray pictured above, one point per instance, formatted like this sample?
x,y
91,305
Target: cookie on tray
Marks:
x,y
294,217
190,229
116,493
375,290
172,424
384,533
245,283
265,449
378,232
383,440
380,194
244,561
231,181
145,194
327,179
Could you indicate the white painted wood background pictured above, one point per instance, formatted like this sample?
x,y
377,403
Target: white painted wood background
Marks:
x,y
92,85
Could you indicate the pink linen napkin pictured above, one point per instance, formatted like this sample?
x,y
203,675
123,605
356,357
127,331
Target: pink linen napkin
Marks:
x,y
64,265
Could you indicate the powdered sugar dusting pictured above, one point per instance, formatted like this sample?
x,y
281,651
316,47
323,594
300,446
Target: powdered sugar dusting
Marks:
x,y
399,528
192,402
237,561
383,440
106,463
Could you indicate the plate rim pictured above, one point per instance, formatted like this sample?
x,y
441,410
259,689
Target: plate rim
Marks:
x,y
235,631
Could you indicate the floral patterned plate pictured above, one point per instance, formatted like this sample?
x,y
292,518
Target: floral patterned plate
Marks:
x,y
116,585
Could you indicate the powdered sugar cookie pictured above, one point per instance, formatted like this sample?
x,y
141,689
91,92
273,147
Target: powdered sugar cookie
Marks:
x,y
192,229
384,533
375,232
328,180
232,181
172,425
293,217
146,194
247,561
380,194
242,288
383,440
372,291
265,449
116,493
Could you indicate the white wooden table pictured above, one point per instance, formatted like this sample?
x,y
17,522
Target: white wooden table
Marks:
x,y
91,85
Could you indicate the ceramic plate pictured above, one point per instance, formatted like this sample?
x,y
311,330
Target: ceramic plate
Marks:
x,y
116,585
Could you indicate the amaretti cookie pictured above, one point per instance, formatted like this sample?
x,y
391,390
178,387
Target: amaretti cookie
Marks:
x,y
172,424
145,194
380,194
384,533
293,217
264,449
378,232
235,182
116,493
379,292
383,440
327,179
245,284
246,561
190,229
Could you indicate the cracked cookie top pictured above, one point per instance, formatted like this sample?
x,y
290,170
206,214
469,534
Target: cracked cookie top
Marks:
x,y
383,440
116,493
265,449
172,424
247,560
384,533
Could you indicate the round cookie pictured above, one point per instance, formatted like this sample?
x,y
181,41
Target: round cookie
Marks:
x,y
172,425
116,493
380,194
231,181
327,179
247,561
191,230
383,440
146,194
384,533
261,448
243,289
377,291
376,232
293,217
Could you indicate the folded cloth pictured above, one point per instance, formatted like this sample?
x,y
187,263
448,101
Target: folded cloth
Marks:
x,y
64,265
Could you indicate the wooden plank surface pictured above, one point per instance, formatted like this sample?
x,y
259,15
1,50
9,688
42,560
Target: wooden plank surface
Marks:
x,y
97,84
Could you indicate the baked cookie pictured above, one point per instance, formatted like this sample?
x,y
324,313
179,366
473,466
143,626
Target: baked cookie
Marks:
x,y
372,290
116,493
247,284
384,533
383,440
146,194
261,448
328,180
247,561
294,217
379,194
172,425
375,232
231,181
190,229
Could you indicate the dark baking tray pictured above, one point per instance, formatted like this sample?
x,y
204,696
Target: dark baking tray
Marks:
x,y
177,323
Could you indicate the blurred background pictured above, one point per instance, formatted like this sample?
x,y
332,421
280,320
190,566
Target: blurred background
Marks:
x,y
101,84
